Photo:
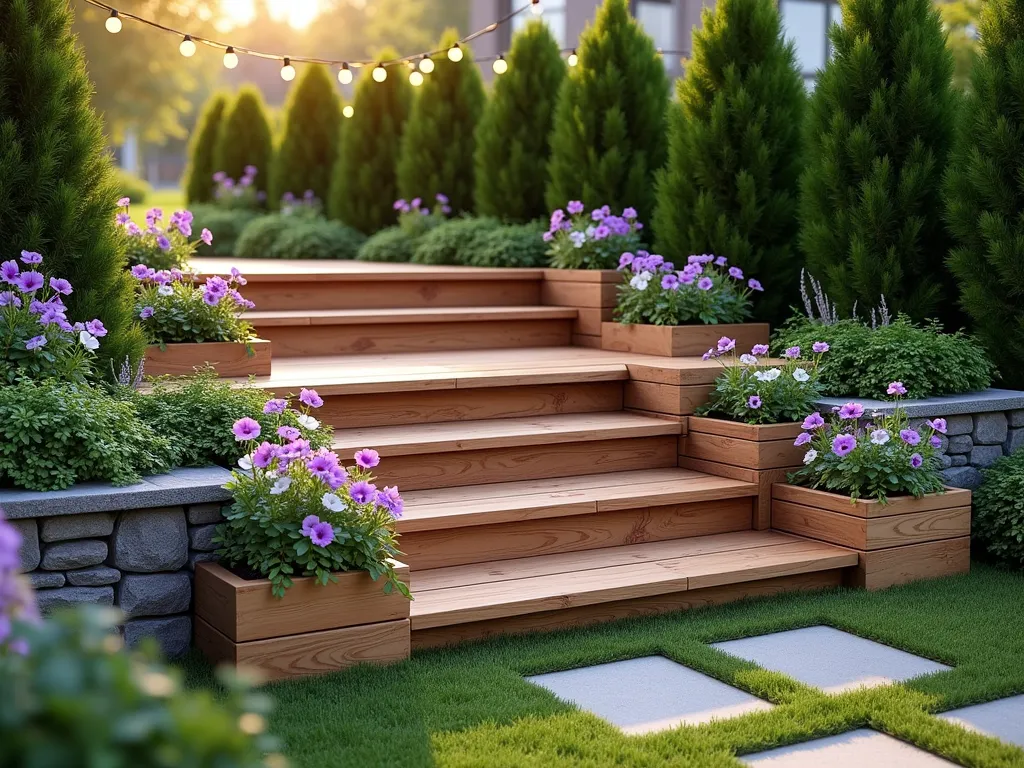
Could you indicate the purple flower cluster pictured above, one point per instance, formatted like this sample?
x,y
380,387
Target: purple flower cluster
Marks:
x,y
416,207
599,225
214,291
228,187
700,270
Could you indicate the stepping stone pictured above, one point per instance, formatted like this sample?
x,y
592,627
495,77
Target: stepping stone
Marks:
x,y
855,749
1003,719
649,694
830,659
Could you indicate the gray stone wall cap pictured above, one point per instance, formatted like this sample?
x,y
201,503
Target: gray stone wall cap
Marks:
x,y
972,402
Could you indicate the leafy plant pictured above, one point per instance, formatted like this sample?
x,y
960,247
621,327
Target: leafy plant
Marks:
x,y
416,219
259,238
391,244
309,206
592,240
881,458
241,193
198,182
244,137
706,290
299,512
317,239
757,392
513,245
228,223
161,247
997,521
453,242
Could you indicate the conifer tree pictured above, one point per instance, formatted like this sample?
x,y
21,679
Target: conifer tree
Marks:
x,y
731,184
58,195
609,133
309,142
984,191
244,138
199,183
878,135
437,144
364,184
513,138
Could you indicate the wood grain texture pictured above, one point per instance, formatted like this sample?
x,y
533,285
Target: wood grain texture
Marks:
x,y
583,340
589,319
582,276
896,505
741,431
580,295
666,398
245,610
228,359
679,340
764,479
764,454
405,315
899,565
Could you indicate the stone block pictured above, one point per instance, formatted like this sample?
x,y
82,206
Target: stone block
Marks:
x,y
77,526
157,594
53,599
1016,418
200,557
959,460
29,552
986,455
959,444
96,576
1014,441
989,429
67,555
959,425
204,514
172,634
947,461
46,579
200,537
150,540
962,477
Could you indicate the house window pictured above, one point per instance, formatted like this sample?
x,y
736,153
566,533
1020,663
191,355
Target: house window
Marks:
x,y
807,22
553,15
658,18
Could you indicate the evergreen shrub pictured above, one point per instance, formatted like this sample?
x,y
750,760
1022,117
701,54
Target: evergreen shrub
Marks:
x,y
454,242
198,182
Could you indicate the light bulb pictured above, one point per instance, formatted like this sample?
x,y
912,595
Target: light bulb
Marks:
x,y
426,65
187,47
344,75
287,71
380,74
416,78
500,66
230,58
572,60
455,53
113,23
536,7
347,110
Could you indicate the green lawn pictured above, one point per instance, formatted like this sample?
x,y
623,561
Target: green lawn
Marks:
x,y
169,199
469,706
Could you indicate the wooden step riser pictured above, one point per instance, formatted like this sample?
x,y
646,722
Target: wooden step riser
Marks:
x,y
315,340
623,609
433,406
499,465
411,293
528,538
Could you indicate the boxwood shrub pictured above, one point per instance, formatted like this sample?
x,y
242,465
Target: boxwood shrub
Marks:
x,y
389,244
455,241
317,239
226,224
517,245
998,521
259,238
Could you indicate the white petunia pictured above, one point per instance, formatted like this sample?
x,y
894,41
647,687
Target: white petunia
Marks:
x,y
770,375
801,375
165,290
89,341
577,238
748,359
282,485
307,422
880,437
641,281
245,463
810,456
333,502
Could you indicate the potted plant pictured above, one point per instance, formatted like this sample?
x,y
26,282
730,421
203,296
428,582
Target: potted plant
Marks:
x,y
747,427
309,581
679,313
872,483
192,325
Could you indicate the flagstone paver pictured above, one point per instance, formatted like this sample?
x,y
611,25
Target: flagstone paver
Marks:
x,y
855,749
1003,719
649,694
830,659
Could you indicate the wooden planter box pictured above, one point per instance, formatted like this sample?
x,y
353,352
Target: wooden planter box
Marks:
x,y
312,629
904,540
592,292
229,359
755,453
679,340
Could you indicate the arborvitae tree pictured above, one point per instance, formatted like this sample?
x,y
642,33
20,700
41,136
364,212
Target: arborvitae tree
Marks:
x,y
437,144
512,140
309,143
984,191
199,183
364,185
57,190
609,134
878,135
244,138
731,184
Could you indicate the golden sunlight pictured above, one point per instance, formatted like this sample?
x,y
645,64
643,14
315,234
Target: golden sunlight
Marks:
x,y
299,14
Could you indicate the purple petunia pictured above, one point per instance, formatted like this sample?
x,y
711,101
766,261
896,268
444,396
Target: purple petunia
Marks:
x,y
390,500
754,285
705,284
820,347
910,436
916,461
264,456
275,405
9,271
35,342
629,213
29,282
288,433
8,299
574,207
625,260
246,429
31,257
725,344
206,236
935,441
736,273
670,282
753,401
939,425
61,286
163,243
308,522
851,411
124,201
146,313
321,534
141,272
843,444
362,492
601,232
759,349
896,388
721,261
311,398
814,421
792,353
802,439
367,458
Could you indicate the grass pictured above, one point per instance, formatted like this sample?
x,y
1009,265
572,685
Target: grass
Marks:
x,y
469,705
169,199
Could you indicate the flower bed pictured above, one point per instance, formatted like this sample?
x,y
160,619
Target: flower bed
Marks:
x,y
580,240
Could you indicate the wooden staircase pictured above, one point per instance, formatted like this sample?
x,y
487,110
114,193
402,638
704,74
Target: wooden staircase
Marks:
x,y
541,481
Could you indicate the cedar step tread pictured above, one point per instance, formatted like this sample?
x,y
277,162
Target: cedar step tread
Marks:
x,y
415,439
484,591
293,317
496,503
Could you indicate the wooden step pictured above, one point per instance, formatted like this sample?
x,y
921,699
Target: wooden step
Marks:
x,y
472,598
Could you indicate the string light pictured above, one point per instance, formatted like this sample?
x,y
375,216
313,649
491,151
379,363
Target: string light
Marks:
x,y
347,110
187,47
500,66
455,53
113,23
415,79
287,71
380,74
572,59
426,65
344,75
536,7
230,58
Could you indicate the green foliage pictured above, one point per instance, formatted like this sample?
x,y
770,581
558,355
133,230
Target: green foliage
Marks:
x,y
997,521
437,144
877,139
453,242
317,239
259,238
609,131
132,186
863,361
244,138
594,240
175,406
227,224
734,159
58,192
513,245
53,435
984,193
309,143
75,700
512,139
198,180
176,309
390,244
364,184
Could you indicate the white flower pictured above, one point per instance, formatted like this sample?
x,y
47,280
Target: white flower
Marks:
x,y
245,462
810,456
770,375
879,437
578,238
332,502
307,422
89,341
282,485
165,290
641,281
748,359
801,375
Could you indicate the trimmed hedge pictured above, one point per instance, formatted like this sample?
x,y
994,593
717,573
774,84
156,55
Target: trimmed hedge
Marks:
x,y
453,242
226,224
390,244
516,245
998,519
